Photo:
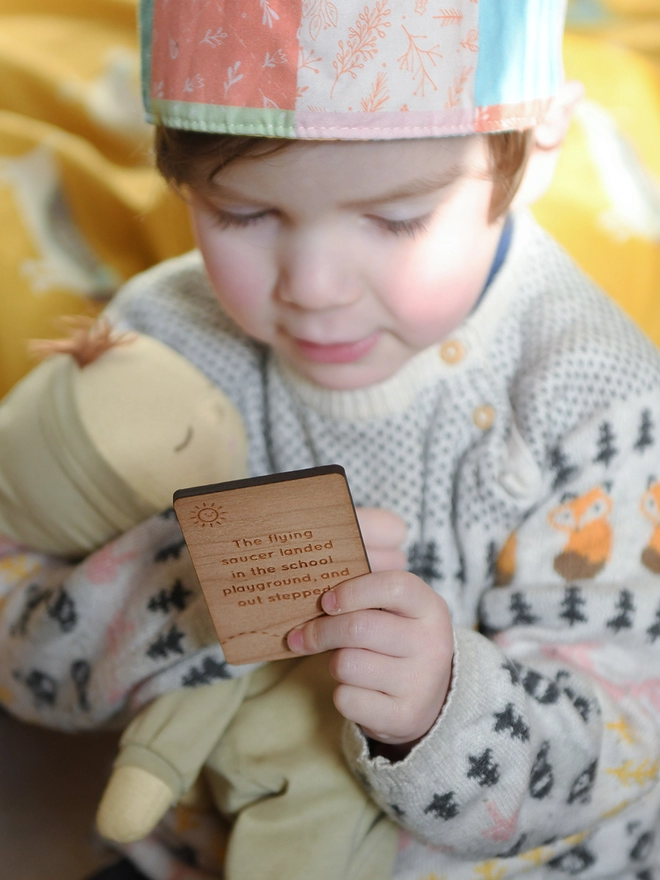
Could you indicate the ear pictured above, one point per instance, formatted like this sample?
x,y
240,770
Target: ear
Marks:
x,y
549,136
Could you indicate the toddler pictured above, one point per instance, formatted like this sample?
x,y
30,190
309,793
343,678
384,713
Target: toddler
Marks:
x,y
369,291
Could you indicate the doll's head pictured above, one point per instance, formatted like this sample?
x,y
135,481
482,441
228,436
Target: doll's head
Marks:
x,y
157,420
349,167
99,436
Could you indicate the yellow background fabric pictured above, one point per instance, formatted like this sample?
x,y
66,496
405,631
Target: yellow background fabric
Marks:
x,y
82,209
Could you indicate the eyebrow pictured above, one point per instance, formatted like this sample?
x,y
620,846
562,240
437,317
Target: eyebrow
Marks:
x,y
419,187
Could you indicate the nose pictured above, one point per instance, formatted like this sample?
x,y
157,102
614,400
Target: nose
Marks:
x,y
317,271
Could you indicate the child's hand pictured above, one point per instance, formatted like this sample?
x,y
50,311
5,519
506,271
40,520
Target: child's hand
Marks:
x,y
393,647
383,533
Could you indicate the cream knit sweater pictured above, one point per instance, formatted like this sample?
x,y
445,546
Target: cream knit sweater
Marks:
x,y
523,453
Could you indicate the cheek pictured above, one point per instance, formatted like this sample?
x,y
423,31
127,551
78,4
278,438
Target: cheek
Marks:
x,y
433,291
437,283
240,277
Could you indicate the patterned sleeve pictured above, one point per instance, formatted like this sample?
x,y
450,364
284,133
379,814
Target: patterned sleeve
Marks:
x,y
80,644
550,739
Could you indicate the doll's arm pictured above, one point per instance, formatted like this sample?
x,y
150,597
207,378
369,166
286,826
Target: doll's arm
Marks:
x,y
161,754
279,773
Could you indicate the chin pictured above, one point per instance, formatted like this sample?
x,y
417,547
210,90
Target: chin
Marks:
x,y
346,378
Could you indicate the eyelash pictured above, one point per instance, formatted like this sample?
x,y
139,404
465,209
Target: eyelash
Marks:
x,y
237,221
411,228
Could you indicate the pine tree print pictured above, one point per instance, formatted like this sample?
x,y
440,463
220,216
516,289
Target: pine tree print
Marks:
x,y
171,551
626,607
483,768
580,703
210,670
582,786
514,669
42,686
515,850
35,596
521,611
572,605
166,644
513,723
63,610
562,467
574,861
165,599
544,690
645,437
491,561
443,806
653,632
81,673
606,447
642,848
541,777
424,561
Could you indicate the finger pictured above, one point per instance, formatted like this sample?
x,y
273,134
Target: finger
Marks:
x,y
400,592
386,559
380,527
378,714
372,630
377,672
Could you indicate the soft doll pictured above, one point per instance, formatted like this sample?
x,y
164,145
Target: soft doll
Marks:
x,y
95,440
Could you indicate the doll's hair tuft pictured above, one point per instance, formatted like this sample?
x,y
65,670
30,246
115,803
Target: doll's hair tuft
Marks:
x,y
88,338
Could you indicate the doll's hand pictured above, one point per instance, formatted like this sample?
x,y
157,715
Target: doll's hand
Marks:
x,y
393,646
383,533
133,803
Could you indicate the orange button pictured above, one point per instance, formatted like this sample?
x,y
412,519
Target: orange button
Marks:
x,y
452,351
484,416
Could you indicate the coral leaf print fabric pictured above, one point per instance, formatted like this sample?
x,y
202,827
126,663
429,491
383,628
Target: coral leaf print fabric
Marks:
x,y
356,69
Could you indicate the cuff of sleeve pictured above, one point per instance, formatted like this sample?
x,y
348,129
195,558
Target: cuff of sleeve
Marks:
x,y
405,789
356,743
134,755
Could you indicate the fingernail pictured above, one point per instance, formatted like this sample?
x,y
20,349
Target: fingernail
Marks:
x,y
295,640
329,602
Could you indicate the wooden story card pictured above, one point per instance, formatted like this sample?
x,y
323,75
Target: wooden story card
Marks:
x,y
266,549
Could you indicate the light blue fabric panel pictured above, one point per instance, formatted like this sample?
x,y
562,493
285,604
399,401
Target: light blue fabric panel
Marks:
x,y
519,50
145,26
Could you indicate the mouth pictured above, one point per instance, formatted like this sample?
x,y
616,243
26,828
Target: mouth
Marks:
x,y
336,352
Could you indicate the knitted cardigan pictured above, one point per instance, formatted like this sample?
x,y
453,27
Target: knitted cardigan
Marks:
x,y
522,452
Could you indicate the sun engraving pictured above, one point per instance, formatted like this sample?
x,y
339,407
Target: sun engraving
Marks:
x,y
209,515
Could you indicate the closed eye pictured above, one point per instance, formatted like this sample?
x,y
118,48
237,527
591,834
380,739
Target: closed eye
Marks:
x,y
186,440
227,220
411,228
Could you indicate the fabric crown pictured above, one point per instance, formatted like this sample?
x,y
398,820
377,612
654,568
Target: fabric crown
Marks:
x,y
350,69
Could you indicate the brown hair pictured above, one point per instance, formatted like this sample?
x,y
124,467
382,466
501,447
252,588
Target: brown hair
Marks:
x,y
194,158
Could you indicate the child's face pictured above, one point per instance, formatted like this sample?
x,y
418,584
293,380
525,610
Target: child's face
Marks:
x,y
348,258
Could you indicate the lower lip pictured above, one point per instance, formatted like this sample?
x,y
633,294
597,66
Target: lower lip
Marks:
x,y
340,353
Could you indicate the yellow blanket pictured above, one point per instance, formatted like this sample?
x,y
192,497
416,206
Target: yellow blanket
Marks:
x,y
81,209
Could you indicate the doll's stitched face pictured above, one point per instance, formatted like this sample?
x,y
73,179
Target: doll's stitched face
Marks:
x,y
348,258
